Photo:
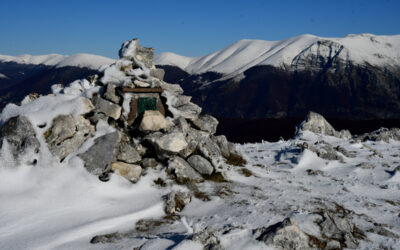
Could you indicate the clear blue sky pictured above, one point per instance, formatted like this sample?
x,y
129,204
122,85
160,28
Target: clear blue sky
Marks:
x,y
189,27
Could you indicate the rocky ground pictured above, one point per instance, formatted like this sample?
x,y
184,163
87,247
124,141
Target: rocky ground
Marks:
x,y
78,171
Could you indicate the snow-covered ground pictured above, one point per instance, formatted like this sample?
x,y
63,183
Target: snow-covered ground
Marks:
x,y
77,60
63,206
244,54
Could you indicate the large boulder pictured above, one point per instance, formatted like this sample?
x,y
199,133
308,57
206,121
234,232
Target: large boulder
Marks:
x,y
98,158
183,171
202,165
131,172
189,111
20,136
316,123
67,134
206,123
153,120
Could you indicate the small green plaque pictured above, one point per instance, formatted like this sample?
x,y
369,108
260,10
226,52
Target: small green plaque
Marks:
x,y
146,103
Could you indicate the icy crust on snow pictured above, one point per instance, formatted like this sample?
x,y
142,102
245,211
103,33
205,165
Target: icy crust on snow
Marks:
x,y
244,54
77,60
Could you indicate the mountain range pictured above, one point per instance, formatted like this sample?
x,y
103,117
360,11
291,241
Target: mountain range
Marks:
x,y
254,83
355,77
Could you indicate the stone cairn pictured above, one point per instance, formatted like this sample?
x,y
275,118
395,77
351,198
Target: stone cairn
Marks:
x,y
155,124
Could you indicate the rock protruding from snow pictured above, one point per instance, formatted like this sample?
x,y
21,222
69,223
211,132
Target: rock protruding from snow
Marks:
x,y
382,134
20,136
131,172
98,158
316,123
201,164
283,235
183,171
176,202
67,134
206,123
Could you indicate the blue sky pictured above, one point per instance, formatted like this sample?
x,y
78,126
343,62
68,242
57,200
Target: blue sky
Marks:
x,y
190,28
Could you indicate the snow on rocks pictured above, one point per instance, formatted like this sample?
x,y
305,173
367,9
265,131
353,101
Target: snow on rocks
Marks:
x,y
316,123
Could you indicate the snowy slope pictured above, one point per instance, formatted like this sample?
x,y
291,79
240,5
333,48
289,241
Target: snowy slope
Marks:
x,y
244,54
78,60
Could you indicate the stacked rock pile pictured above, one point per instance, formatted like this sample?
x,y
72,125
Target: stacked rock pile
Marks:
x,y
153,123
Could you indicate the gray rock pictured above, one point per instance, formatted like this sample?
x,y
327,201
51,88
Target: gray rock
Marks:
x,y
365,165
176,202
193,138
131,50
111,94
183,171
21,137
101,154
202,165
174,89
67,134
208,237
180,100
338,225
157,73
167,144
128,153
108,108
129,171
189,111
210,151
206,123
149,163
223,145
181,125
283,235
316,123
382,134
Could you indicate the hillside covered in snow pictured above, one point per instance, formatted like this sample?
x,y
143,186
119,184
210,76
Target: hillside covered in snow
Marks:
x,y
125,160
236,58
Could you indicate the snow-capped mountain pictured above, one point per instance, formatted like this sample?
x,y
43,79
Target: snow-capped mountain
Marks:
x,y
76,60
355,77
244,54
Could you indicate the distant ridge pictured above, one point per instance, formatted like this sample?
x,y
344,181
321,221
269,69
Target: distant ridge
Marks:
x,y
77,60
244,54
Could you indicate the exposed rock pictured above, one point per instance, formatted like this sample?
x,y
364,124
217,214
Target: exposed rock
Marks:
x,y
179,100
174,89
365,165
210,151
224,146
129,171
206,123
157,73
127,153
153,120
182,171
101,154
326,151
181,125
141,84
382,134
149,163
67,134
176,202
108,108
208,237
283,235
316,123
189,111
110,94
21,136
30,98
168,144
202,165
